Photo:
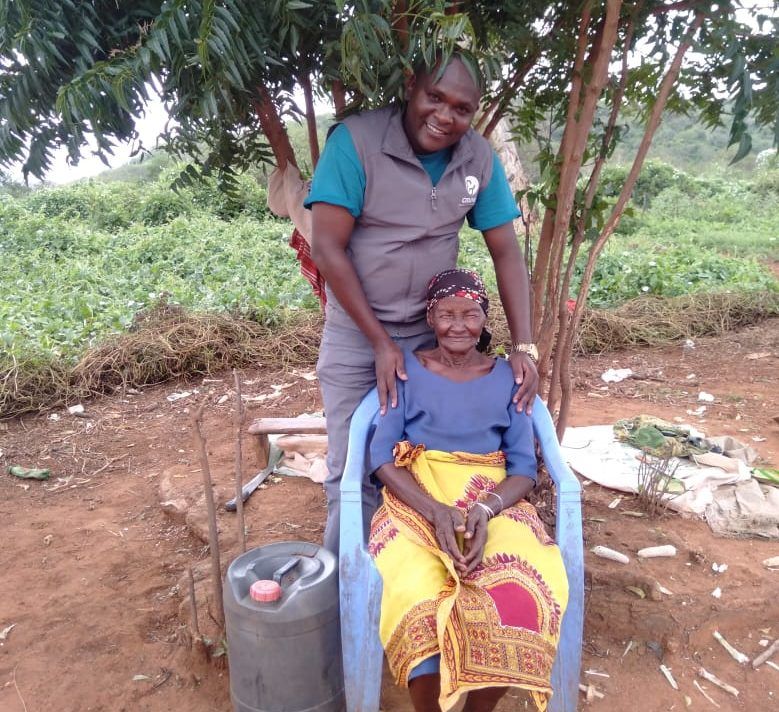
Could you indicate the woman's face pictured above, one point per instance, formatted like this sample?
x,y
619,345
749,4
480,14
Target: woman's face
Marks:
x,y
457,323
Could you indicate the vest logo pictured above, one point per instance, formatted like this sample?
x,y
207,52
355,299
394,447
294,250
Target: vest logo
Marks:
x,y
471,187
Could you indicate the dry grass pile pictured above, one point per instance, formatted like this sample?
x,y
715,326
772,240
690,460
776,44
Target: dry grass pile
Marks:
x,y
163,344
32,384
168,342
650,321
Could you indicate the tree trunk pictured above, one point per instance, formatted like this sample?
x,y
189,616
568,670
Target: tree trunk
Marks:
x,y
653,122
581,113
339,97
274,129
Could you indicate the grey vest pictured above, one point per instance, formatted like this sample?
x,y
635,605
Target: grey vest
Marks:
x,y
408,229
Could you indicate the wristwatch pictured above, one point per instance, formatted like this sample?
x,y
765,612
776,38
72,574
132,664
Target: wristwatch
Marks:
x,y
529,349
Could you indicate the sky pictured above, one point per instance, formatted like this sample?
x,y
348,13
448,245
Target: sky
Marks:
x,y
149,127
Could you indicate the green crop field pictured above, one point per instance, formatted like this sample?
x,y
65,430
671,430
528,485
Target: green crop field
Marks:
x,y
80,261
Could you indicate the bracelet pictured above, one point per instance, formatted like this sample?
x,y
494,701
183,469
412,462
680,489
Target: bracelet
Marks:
x,y
485,508
500,499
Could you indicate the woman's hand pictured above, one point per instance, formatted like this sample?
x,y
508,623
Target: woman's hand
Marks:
x,y
447,523
475,538
389,365
526,374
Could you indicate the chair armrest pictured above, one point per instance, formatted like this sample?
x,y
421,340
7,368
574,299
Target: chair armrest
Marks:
x,y
565,673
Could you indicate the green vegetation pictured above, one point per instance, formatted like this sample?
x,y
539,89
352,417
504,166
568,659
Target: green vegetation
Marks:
x,y
80,261
682,234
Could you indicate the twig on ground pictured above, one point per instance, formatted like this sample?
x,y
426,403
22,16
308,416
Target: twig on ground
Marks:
x,y
591,691
18,691
767,653
714,680
164,677
668,676
213,534
238,467
109,463
737,655
703,692
193,603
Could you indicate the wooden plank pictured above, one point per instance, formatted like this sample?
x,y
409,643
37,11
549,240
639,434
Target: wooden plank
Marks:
x,y
288,426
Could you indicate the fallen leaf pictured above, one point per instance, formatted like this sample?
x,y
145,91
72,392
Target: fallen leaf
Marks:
x,y
638,591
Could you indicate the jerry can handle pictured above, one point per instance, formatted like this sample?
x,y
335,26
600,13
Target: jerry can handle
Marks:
x,y
279,573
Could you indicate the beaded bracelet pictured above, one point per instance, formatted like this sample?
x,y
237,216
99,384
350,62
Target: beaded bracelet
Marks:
x,y
485,508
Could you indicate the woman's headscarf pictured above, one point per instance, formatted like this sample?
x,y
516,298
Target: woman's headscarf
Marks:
x,y
460,283
457,283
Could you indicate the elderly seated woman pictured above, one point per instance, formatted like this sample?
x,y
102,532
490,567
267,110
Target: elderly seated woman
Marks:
x,y
474,588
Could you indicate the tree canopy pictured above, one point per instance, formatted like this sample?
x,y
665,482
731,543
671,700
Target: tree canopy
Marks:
x,y
227,70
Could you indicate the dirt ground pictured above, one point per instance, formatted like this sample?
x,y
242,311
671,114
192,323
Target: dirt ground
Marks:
x,y
92,570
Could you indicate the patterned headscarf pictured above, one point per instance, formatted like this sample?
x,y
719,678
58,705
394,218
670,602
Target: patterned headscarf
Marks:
x,y
457,283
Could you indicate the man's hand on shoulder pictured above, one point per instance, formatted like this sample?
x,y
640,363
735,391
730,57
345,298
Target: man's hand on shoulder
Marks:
x,y
389,366
526,375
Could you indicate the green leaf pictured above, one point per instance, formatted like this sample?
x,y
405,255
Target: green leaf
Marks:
x,y
744,147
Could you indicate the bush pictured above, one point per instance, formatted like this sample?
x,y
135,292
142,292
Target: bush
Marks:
x,y
623,274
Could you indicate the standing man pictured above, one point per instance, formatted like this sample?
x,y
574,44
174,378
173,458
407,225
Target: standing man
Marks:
x,y
388,198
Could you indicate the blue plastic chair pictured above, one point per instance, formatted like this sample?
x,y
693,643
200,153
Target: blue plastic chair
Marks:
x,y
360,584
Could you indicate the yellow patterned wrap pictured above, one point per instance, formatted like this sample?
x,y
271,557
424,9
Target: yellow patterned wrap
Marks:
x,y
497,627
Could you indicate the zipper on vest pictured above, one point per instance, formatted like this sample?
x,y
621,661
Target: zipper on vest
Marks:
x,y
433,198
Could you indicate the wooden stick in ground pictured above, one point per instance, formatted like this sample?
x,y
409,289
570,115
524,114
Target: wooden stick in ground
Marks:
x,y
238,467
213,535
193,604
767,653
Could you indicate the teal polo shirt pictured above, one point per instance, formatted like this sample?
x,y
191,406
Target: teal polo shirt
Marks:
x,y
339,179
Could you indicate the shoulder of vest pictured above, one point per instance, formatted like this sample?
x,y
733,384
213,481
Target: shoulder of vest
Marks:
x,y
371,122
481,146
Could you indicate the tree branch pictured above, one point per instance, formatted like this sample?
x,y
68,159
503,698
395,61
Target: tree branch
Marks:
x,y
400,23
273,128
339,97
313,138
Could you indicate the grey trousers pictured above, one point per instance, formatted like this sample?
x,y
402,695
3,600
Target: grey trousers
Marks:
x,y
346,373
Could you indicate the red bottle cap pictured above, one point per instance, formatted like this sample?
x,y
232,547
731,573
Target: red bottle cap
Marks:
x,y
265,590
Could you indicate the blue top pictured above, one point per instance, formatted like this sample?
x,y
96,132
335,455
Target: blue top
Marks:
x,y
473,416
339,179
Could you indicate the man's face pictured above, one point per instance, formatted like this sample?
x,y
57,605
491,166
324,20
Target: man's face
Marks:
x,y
438,113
